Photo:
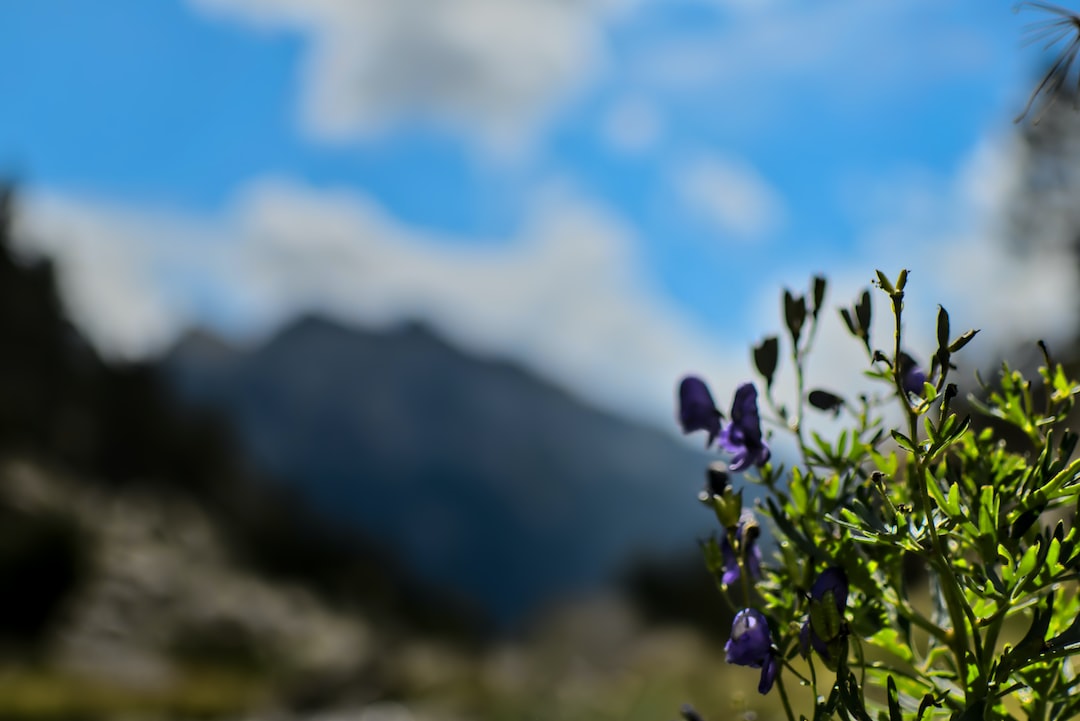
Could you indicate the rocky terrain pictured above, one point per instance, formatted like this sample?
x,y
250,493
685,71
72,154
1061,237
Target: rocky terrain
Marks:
x,y
163,623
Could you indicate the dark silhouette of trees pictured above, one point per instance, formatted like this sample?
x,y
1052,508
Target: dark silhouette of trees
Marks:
x,y
118,425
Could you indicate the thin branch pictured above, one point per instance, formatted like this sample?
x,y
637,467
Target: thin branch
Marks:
x,y
1063,28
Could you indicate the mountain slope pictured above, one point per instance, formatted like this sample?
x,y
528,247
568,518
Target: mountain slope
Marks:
x,y
481,477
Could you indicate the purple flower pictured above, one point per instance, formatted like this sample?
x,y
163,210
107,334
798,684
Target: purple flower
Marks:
x,y
750,640
751,645
912,377
742,436
769,672
697,411
746,534
825,626
804,639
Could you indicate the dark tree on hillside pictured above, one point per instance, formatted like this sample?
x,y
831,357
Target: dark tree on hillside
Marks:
x,y
59,400
48,374
119,425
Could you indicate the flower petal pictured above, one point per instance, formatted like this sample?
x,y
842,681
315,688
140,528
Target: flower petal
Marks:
x,y
731,563
744,414
697,411
742,437
750,643
769,672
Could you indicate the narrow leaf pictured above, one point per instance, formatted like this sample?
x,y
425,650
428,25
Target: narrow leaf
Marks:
x,y
952,501
862,312
894,701
885,283
903,441
925,704
962,341
942,327
849,322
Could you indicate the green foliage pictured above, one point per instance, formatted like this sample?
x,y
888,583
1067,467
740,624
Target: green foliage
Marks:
x,y
910,488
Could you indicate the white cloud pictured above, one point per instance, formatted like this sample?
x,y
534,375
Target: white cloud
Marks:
x,y
568,296
732,196
955,237
491,69
632,125
110,266
847,51
964,251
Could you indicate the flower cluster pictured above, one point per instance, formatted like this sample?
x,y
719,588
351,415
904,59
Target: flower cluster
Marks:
x,y
910,476
750,643
741,437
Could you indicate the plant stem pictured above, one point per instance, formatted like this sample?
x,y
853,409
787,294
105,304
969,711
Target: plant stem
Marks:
x,y
917,480
784,697
804,679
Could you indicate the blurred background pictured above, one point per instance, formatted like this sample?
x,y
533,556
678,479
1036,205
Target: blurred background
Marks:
x,y
338,338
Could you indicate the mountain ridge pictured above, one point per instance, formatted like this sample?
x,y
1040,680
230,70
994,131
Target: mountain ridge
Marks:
x,y
480,475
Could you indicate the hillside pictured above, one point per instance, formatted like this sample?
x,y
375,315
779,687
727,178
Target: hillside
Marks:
x,y
480,476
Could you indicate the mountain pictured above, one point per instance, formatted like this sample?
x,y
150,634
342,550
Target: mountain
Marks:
x,y
480,477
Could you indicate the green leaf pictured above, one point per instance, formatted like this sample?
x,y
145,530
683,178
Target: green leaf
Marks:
x,y
869,517
1027,561
935,492
958,430
1052,555
729,508
852,698
962,341
824,711
903,441
932,432
825,620
714,558
889,639
888,465
885,283
1025,521
925,704
942,328
1069,638
987,521
792,534
894,701
798,491
952,501
1032,644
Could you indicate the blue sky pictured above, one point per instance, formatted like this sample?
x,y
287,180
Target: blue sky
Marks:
x,y
611,191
